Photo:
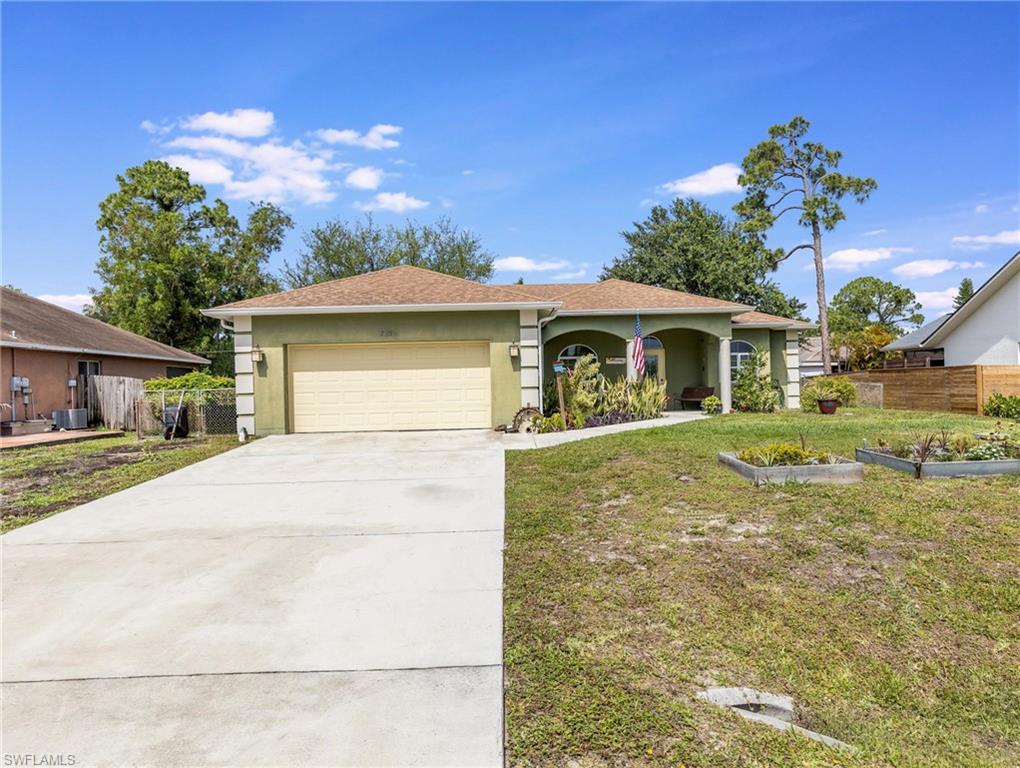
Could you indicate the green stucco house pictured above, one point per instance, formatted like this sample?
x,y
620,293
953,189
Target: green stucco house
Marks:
x,y
407,348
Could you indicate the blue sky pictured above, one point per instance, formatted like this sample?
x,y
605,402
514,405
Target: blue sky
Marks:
x,y
547,129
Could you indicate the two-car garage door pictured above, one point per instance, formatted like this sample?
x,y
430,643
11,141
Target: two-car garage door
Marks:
x,y
371,387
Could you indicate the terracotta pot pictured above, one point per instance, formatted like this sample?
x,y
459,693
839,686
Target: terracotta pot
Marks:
x,y
828,406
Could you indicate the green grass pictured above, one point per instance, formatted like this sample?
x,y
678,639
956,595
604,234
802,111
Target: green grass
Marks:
x,y
639,571
42,481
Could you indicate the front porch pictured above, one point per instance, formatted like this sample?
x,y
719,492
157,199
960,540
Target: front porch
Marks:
x,y
683,358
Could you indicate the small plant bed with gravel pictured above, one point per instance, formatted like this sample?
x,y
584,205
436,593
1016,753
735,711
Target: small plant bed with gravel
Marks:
x,y
787,462
948,454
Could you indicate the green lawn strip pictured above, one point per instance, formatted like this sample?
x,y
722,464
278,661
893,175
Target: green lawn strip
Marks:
x,y
638,571
72,488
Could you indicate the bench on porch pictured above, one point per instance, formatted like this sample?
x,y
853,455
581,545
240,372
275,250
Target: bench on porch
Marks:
x,y
692,395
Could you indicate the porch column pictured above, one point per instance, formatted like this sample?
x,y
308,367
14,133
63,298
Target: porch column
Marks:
x,y
631,369
724,375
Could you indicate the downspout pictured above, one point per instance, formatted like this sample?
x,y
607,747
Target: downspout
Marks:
x,y
542,322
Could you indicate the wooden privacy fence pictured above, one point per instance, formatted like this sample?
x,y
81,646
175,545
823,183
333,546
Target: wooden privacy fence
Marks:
x,y
957,388
111,400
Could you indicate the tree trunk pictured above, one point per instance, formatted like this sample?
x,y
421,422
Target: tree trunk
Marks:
x,y
823,312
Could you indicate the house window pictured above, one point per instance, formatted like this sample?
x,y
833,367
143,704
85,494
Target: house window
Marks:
x,y
173,371
89,368
740,354
570,355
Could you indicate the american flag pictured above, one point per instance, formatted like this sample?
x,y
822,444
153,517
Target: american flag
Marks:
x,y
639,347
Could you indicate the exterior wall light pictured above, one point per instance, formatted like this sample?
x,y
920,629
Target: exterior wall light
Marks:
x,y
256,355
515,349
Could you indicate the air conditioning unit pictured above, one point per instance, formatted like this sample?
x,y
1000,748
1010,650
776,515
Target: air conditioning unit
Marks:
x,y
71,418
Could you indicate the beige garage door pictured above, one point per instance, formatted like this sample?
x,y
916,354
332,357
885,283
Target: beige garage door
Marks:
x,y
371,387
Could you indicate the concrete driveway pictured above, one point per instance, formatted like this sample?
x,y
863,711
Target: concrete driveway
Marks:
x,y
302,600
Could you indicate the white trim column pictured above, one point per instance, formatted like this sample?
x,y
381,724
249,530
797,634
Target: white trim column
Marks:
x,y
725,392
631,368
531,360
793,370
244,376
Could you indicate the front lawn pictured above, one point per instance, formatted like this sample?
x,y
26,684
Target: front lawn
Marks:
x,y
639,571
38,482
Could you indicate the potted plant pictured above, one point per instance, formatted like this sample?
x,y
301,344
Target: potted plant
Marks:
x,y
828,392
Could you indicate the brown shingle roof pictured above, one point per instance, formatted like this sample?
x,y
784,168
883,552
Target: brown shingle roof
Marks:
x,y
25,320
389,287
610,295
761,318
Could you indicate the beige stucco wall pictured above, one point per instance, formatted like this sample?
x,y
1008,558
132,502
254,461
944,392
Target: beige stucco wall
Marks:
x,y
273,334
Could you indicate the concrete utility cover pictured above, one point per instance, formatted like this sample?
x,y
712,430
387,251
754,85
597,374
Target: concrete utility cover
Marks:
x,y
307,599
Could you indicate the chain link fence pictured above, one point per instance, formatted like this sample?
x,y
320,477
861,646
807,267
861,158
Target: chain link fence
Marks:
x,y
209,411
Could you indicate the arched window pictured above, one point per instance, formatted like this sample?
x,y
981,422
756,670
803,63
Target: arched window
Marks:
x,y
740,353
570,355
650,342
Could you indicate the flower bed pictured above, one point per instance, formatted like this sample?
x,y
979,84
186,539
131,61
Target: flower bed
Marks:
x,y
786,462
944,454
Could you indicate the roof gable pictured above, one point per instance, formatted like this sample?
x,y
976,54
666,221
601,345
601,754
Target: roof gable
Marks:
x,y
1005,273
26,321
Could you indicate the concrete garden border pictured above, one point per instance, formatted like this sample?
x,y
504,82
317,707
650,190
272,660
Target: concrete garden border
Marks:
x,y
842,472
940,468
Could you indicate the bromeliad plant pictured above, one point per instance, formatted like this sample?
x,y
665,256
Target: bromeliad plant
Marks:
x,y
784,455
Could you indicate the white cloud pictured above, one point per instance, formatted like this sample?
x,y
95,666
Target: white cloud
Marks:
x,y
937,299
524,264
244,123
365,177
982,208
714,181
467,172
932,267
875,232
397,202
981,242
72,301
852,259
150,127
268,171
569,275
376,138
647,203
446,202
202,170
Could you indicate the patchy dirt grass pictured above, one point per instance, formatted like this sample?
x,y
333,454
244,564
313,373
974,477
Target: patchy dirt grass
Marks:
x,y
41,481
639,571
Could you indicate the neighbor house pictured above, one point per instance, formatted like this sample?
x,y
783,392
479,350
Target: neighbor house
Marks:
x,y
407,348
53,347
911,352
985,330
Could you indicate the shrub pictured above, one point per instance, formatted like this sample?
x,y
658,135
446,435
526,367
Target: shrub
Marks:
x,y
711,404
1003,406
753,390
554,423
582,388
838,388
193,380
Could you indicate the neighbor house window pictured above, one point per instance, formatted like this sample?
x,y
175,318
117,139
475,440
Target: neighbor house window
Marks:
x,y
88,368
570,355
740,354
173,371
